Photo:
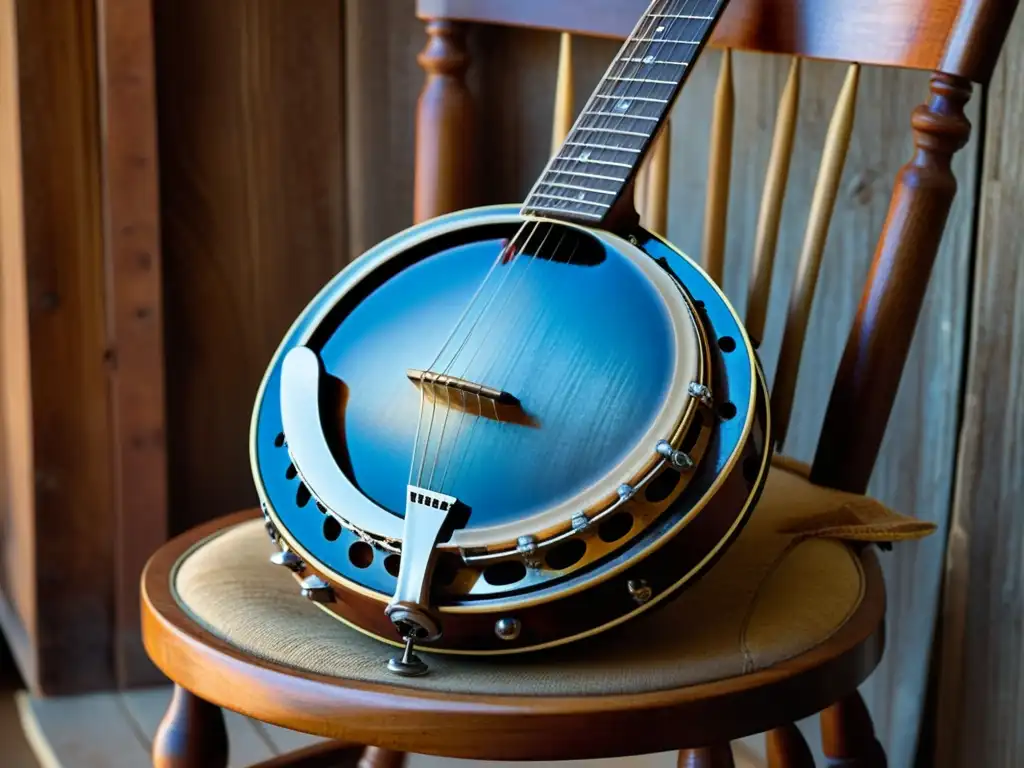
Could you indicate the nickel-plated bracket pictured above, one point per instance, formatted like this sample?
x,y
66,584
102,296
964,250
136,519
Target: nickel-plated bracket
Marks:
x,y
425,515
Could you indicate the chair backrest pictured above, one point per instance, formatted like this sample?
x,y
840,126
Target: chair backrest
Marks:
x,y
959,41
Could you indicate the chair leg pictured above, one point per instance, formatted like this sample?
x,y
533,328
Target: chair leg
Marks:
x,y
848,735
191,735
707,757
375,757
787,749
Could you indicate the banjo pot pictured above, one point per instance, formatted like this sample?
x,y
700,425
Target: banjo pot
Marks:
x,y
512,427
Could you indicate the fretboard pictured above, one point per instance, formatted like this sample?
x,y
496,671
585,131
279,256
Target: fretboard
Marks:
x,y
614,131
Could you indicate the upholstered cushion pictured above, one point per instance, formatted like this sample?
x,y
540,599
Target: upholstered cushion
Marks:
x,y
772,596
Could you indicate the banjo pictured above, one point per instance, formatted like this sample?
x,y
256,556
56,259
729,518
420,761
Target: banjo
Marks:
x,y
513,427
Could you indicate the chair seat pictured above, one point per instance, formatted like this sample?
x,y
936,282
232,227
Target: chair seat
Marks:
x,y
779,604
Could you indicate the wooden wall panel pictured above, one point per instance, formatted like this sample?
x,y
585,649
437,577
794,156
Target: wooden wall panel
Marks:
x,y
915,469
382,85
17,557
253,204
981,700
64,565
135,350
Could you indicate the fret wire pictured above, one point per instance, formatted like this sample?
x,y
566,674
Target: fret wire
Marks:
x,y
630,97
574,200
590,160
641,80
669,42
641,55
613,130
655,61
534,208
577,187
602,146
586,175
623,115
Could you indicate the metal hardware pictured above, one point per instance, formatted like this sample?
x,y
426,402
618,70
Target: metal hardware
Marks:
x,y
288,559
639,590
526,546
633,241
508,629
626,492
317,590
425,514
679,459
702,393
408,664
580,522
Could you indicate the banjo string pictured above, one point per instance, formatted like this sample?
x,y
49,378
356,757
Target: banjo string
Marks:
x,y
484,376
670,7
510,248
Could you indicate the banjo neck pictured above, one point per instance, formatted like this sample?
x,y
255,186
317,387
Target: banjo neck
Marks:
x,y
595,166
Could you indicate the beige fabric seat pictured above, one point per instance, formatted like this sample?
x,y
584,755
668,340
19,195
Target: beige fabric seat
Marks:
x,y
773,596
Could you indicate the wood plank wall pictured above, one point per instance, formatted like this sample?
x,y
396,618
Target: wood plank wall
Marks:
x,y
981,699
59,556
252,178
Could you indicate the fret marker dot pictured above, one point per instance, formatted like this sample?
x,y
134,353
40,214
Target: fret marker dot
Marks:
x,y
585,154
581,196
648,59
623,105
660,29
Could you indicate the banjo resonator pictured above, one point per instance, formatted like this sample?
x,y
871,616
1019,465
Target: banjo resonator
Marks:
x,y
514,427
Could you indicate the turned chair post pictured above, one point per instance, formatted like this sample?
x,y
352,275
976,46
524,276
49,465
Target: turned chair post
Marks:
x,y
876,349
719,756
444,125
848,735
191,735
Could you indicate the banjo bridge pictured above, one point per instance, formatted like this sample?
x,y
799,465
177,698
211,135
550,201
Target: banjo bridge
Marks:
x,y
435,383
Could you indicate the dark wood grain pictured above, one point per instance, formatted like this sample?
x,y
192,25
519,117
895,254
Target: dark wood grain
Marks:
x,y
876,351
253,177
135,349
191,735
954,36
707,757
980,699
786,748
375,757
61,575
848,735
445,125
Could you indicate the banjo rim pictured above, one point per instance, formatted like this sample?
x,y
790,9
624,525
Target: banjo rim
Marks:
x,y
364,265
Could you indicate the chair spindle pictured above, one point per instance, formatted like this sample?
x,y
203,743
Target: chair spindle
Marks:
x,y
837,143
876,349
777,177
564,110
707,757
848,735
716,210
376,757
655,182
787,748
444,125
191,733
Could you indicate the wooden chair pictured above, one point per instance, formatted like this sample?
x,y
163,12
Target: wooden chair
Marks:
x,y
217,619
